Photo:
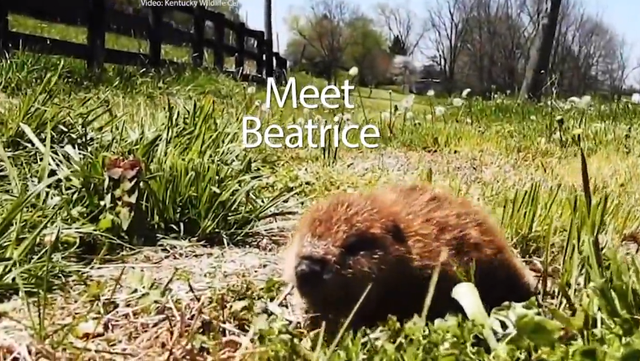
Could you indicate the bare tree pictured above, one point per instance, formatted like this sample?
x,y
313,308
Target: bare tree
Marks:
x,y
615,68
588,56
636,78
539,58
493,46
571,15
403,24
448,25
325,29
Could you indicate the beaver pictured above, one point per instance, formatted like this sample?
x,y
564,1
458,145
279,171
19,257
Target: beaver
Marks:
x,y
388,242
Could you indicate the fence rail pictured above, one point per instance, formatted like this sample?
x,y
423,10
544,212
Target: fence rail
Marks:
x,y
99,18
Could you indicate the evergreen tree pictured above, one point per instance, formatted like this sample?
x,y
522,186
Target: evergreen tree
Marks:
x,y
397,46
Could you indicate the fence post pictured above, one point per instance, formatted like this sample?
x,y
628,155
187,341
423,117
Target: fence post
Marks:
x,y
155,36
268,57
260,41
197,47
5,42
218,38
96,29
240,40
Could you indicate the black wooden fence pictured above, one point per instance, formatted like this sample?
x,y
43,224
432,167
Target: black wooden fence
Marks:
x,y
99,19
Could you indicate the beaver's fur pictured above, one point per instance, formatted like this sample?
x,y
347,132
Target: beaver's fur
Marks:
x,y
394,237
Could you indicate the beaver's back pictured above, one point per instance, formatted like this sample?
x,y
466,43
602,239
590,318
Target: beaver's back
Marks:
x,y
433,220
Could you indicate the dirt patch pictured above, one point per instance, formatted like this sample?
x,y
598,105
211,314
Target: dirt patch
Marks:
x,y
464,166
137,326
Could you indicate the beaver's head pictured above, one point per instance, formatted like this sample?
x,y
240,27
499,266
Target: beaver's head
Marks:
x,y
341,246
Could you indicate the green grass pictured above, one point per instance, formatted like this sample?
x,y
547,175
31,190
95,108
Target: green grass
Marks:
x,y
77,264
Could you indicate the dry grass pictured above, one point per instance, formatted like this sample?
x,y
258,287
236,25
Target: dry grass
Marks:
x,y
150,306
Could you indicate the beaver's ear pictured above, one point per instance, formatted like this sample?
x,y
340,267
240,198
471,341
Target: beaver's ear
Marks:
x,y
396,232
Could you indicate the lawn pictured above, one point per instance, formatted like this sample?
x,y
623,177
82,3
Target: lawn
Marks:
x,y
80,277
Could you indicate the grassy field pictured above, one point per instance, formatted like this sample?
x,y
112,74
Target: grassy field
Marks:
x,y
81,278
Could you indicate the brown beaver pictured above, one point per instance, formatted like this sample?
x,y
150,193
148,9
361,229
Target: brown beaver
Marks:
x,y
393,238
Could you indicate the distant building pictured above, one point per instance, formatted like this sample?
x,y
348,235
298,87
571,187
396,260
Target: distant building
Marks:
x,y
422,86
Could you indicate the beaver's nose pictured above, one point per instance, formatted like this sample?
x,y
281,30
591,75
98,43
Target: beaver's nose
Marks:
x,y
310,270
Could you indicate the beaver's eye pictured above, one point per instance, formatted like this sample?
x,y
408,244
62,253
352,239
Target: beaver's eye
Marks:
x,y
396,233
361,242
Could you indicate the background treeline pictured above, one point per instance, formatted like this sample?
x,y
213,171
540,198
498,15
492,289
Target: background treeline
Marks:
x,y
480,44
